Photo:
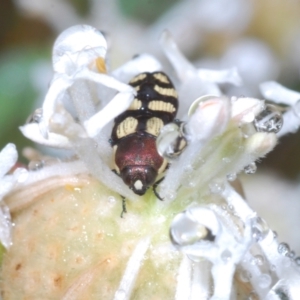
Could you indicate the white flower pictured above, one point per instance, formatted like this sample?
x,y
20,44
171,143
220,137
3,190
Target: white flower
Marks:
x,y
218,232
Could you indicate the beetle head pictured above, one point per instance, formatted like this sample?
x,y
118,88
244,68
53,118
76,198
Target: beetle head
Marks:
x,y
139,178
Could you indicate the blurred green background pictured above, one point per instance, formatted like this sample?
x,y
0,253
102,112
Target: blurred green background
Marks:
x,y
27,33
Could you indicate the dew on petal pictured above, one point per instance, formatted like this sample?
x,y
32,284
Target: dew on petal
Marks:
x,y
245,276
231,177
251,168
258,260
216,187
36,116
253,296
199,100
260,229
283,249
297,261
172,140
292,254
264,280
269,120
35,165
226,256
185,231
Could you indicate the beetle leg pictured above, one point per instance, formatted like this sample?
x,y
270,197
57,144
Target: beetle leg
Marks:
x,y
155,186
124,210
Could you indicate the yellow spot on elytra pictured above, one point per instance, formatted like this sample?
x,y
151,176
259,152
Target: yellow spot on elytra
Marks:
x,y
138,78
161,77
135,104
100,64
128,126
154,125
166,91
161,106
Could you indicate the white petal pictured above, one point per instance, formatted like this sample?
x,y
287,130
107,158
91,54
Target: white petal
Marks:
x,y
245,109
105,80
209,119
133,266
221,76
142,63
58,86
184,279
181,65
291,122
5,226
8,158
115,107
278,93
32,131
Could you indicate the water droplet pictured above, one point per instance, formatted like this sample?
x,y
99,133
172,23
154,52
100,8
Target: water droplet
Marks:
x,y
251,168
188,168
226,160
216,187
230,207
283,249
269,120
245,275
21,174
111,199
36,116
191,183
226,255
169,195
292,254
275,234
171,141
253,296
35,165
196,103
231,177
260,229
259,260
185,230
264,281
297,261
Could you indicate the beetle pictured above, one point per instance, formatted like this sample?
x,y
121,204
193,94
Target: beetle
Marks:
x,y
134,133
